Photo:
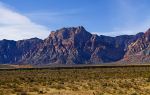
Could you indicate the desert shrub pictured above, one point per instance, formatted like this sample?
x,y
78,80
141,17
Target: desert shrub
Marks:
x,y
134,93
34,89
57,86
22,93
74,88
42,91
148,79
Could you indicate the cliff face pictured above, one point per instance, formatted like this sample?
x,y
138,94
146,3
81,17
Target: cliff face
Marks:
x,y
13,52
75,45
139,49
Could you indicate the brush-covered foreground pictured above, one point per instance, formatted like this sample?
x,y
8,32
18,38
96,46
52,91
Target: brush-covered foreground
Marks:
x,y
89,81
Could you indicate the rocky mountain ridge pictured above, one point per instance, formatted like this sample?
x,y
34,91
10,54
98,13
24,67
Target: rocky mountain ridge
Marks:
x,y
74,45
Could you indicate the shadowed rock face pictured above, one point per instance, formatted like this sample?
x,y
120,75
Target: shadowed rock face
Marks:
x,y
13,52
75,45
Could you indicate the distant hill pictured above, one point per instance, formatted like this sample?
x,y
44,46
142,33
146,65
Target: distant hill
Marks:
x,y
75,45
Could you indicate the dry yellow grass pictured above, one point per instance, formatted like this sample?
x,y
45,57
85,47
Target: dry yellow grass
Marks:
x,y
89,81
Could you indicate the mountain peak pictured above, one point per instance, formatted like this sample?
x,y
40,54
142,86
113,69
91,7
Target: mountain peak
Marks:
x,y
81,28
147,33
148,30
69,32
72,29
78,27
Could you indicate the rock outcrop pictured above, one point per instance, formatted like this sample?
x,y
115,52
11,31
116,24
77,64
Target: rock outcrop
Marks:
x,y
139,50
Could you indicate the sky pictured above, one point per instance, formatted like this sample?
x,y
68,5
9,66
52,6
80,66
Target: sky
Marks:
x,y
24,19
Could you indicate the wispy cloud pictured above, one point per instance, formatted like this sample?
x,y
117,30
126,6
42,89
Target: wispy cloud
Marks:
x,y
115,33
54,17
16,26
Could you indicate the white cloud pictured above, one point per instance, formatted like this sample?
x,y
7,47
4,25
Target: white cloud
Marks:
x,y
15,26
115,33
56,18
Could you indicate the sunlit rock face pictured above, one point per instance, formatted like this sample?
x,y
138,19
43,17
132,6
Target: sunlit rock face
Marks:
x,y
139,49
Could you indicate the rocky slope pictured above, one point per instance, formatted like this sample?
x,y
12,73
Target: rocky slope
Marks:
x,y
139,49
75,45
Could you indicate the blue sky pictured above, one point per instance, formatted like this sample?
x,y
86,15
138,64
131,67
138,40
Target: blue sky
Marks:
x,y
36,18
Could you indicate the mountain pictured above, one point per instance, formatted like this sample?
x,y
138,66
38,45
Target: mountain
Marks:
x,y
139,49
14,51
75,45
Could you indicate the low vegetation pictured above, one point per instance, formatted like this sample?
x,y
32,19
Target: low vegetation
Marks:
x,y
89,81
